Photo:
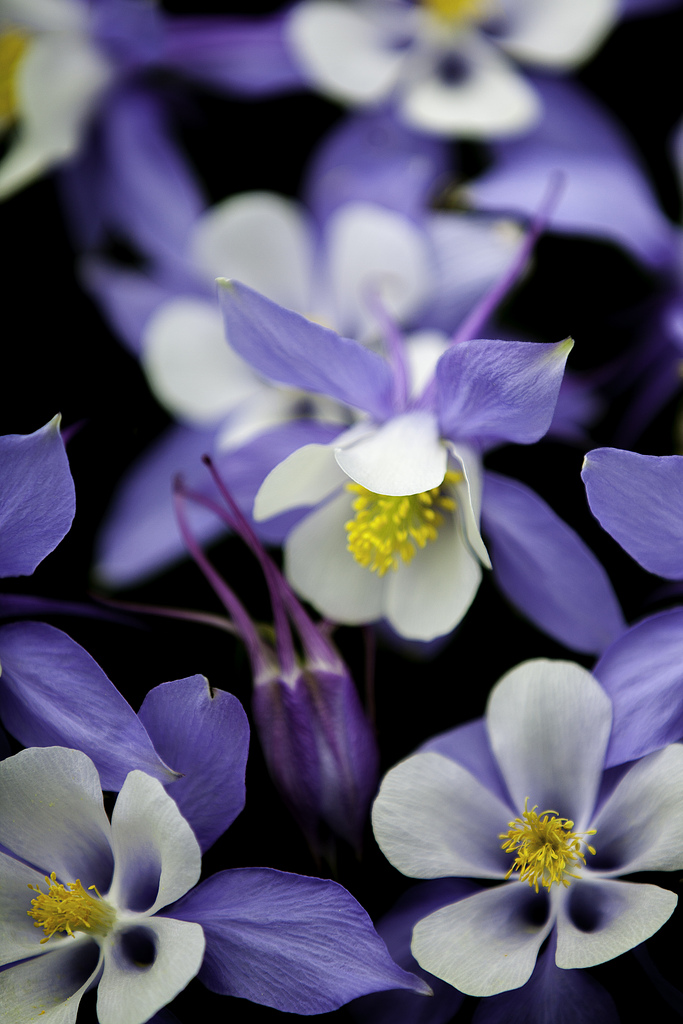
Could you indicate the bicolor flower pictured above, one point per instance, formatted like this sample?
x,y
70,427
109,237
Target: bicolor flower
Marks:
x,y
86,902
318,744
448,65
519,798
343,269
395,528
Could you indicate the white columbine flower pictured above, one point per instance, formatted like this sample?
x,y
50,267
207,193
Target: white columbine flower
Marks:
x,y
532,810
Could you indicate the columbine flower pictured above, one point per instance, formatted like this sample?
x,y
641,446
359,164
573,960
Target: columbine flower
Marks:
x,y
396,533
518,798
86,901
445,63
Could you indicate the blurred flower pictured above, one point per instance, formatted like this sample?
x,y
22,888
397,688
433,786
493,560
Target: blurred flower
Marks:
x,y
411,471
521,798
106,899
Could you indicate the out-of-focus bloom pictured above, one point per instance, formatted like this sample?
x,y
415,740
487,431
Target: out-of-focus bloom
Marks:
x,y
444,63
318,744
411,471
521,798
105,896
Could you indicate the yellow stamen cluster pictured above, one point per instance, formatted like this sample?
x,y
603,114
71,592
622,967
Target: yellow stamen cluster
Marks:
x,y
458,10
387,528
70,909
545,846
13,45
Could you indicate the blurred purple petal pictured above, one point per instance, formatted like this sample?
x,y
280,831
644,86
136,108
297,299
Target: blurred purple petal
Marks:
x,y
204,734
546,570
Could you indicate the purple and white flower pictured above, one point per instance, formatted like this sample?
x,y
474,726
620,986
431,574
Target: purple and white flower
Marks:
x,y
117,908
520,798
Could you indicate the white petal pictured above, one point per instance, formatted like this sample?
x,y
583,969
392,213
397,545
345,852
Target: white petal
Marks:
x,y
128,994
433,819
549,723
492,98
561,33
47,15
52,814
468,494
486,943
157,858
58,83
423,349
640,826
373,251
48,989
305,477
322,570
341,50
189,365
430,596
604,918
403,456
262,240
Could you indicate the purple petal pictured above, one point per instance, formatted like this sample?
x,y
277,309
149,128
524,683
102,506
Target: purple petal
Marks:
x,y
396,928
546,570
605,191
52,693
642,672
299,944
372,157
203,733
637,499
493,391
286,347
550,994
38,499
243,55
468,745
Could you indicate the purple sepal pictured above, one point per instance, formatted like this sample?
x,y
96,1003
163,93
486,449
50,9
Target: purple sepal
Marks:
x,y
633,8
637,499
286,347
202,733
605,194
129,32
642,672
546,570
495,391
299,944
38,501
578,408
242,55
321,752
396,928
469,746
551,994
371,157
52,693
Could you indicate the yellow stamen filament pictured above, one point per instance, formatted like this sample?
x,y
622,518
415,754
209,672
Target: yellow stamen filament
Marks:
x,y
13,45
70,909
545,846
388,528
458,10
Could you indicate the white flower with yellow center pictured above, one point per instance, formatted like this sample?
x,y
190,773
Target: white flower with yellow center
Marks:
x,y
51,76
520,798
448,64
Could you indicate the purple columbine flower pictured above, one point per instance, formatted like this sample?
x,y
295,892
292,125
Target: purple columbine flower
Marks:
x,y
87,901
318,744
394,531
521,798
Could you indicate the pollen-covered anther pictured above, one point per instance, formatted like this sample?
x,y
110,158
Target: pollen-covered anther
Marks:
x,y
459,10
13,46
70,908
545,847
388,529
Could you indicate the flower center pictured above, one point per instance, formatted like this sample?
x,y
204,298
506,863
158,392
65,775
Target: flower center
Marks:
x,y
458,10
545,846
387,527
70,909
13,46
